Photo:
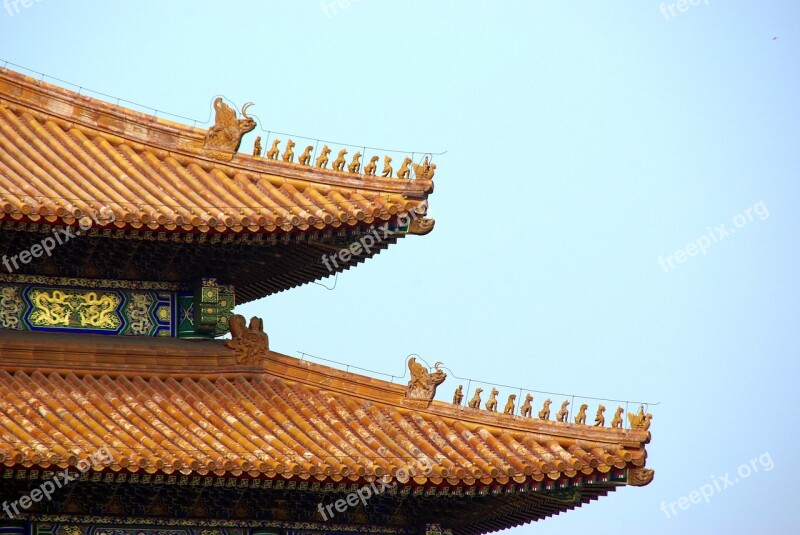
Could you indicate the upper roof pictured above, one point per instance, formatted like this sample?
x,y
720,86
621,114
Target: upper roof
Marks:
x,y
188,408
66,155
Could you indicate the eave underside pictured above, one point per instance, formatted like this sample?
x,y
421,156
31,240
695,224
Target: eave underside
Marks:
x,y
256,265
190,432
400,509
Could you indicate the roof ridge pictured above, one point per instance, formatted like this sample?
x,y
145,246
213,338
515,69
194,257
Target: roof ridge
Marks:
x,y
163,358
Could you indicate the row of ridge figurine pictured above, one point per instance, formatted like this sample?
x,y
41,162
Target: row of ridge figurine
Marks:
x,y
423,170
637,421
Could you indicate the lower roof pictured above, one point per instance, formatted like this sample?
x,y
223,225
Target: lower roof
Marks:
x,y
187,408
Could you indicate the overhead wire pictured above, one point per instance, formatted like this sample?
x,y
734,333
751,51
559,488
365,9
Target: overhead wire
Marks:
x,y
454,376
211,112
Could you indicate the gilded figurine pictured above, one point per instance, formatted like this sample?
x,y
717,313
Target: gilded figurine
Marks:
x,y
640,420
510,404
273,152
322,159
423,383
288,154
475,402
639,477
616,422
250,343
561,415
338,163
425,169
581,417
387,167
355,164
491,403
645,424
458,397
226,134
600,419
404,171
544,414
371,167
257,147
305,158
526,409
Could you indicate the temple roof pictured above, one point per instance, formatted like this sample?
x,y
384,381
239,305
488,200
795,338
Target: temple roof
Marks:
x,y
179,203
188,408
173,203
66,155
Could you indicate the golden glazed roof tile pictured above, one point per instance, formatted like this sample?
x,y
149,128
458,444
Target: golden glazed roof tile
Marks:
x,y
65,156
193,410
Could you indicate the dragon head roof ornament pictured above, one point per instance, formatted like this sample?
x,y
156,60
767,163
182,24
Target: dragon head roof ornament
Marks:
x,y
227,132
422,386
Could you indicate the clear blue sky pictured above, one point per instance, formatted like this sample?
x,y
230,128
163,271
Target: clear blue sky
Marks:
x,y
585,140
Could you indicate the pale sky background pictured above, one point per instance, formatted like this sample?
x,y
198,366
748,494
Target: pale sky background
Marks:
x,y
585,139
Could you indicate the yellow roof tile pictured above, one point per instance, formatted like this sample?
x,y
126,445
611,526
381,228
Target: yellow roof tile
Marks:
x,y
187,407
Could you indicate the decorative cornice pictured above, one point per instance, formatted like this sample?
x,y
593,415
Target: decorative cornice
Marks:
x,y
207,523
450,487
92,283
